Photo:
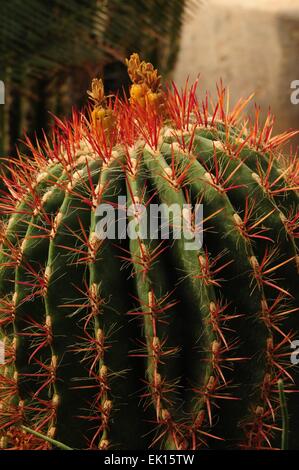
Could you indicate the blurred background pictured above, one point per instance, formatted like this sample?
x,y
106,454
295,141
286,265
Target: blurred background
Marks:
x,y
253,45
51,49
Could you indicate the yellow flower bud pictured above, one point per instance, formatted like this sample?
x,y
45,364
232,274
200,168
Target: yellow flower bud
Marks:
x,y
103,117
137,93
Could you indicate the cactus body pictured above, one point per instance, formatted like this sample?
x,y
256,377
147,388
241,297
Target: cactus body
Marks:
x,y
138,342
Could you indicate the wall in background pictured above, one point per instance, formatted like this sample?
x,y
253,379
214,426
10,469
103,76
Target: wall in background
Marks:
x,y
253,45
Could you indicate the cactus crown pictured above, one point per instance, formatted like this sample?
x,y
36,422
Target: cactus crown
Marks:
x,y
138,342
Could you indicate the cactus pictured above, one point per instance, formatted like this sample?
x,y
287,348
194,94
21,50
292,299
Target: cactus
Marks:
x,y
138,342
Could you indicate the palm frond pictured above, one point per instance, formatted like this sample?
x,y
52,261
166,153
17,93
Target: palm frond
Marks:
x,y
50,49
42,36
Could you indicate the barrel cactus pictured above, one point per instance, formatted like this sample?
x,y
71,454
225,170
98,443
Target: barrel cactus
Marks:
x,y
119,339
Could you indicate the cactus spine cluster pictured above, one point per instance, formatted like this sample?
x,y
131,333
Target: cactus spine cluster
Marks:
x,y
139,343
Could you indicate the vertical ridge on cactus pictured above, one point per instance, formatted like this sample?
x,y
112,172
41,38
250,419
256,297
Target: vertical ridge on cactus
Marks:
x,y
138,342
